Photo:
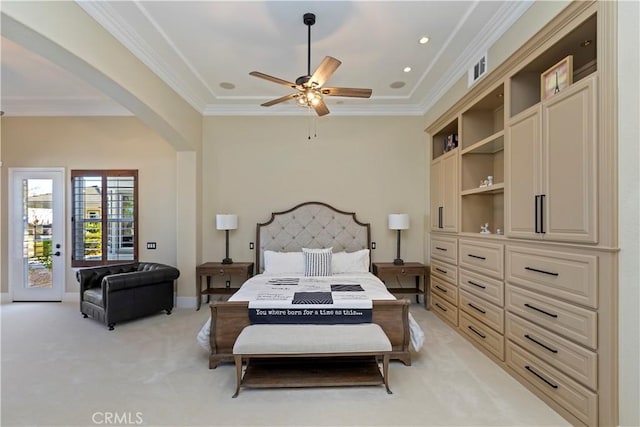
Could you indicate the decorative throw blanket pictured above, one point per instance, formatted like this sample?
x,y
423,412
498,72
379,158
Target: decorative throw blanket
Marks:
x,y
370,283
310,300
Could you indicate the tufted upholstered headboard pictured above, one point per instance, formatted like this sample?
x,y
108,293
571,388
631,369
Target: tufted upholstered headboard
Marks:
x,y
311,225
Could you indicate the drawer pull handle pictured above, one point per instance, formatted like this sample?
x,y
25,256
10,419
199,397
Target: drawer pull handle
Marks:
x,y
476,308
442,289
475,284
483,336
542,271
528,368
552,350
441,307
477,256
441,270
555,316
441,249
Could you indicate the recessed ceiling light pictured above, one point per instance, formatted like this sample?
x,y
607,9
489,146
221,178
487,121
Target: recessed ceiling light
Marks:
x,y
407,69
424,40
227,85
397,85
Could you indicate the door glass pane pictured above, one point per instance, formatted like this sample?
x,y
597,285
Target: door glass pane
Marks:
x,y
37,218
120,218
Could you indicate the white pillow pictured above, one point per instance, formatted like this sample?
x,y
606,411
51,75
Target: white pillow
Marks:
x,y
350,262
317,262
283,262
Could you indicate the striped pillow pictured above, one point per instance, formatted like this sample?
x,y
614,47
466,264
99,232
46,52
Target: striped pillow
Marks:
x,y
317,262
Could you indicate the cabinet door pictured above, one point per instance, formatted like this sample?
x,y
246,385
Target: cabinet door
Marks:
x,y
436,193
444,193
522,151
450,190
569,159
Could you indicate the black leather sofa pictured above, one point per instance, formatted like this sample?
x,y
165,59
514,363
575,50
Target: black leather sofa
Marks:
x,y
118,292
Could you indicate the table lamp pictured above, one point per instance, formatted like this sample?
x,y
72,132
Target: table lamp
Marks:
x,y
398,222
227,222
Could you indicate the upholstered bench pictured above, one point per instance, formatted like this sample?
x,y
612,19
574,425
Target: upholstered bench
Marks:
x,y
311,356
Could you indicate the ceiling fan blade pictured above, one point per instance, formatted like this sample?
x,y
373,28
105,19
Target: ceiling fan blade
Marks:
x,y
272,79
346,91
326,68
279,100
321,108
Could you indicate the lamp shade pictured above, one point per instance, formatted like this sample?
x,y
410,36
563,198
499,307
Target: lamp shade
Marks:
x,y
226,222
398,221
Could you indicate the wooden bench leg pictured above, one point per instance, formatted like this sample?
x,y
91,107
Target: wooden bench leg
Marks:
x,y
385,372
238,360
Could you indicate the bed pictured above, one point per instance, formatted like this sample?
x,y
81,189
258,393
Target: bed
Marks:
x,y
282,244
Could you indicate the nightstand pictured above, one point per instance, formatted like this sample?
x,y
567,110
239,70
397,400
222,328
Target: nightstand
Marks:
x,y
408,269
208,269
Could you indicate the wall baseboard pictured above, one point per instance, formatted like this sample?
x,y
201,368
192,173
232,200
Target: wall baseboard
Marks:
x,y
181,302
186,302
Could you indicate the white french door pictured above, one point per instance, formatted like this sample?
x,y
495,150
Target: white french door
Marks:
x,y
36,234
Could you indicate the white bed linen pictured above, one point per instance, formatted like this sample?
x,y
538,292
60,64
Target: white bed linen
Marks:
x,y
372,285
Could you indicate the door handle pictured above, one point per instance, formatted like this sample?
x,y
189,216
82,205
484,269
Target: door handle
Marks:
x,y
542,196
535,210
57,253
440,209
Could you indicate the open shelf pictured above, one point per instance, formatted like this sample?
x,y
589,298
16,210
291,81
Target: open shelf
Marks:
x,y
482,208
492,189
490,145
525,85
439,139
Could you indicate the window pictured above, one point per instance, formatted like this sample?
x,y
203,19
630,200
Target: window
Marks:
x,y
105,216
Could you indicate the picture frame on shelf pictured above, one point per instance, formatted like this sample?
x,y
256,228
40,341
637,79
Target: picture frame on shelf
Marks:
x,y
556,78
450,142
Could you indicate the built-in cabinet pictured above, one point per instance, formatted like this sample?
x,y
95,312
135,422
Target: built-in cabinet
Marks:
x,y
551,167
538,298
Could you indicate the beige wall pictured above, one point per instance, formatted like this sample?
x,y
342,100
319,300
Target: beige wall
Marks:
x,y
629,210
373,166
98,143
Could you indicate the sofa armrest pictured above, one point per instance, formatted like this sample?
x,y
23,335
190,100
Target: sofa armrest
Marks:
x,y
117,282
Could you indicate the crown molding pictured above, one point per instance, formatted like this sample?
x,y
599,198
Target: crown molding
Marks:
x,y
506,17
109,18
294,110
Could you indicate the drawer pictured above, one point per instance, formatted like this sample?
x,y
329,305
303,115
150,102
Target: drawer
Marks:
x,y
447,311
580,401
577,324
445,249
571,277
483,257
444,271
483,335
444,290
484,311
485,287
572,359
411,269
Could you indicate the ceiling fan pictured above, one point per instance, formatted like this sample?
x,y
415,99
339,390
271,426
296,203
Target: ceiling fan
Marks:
x,y
309,91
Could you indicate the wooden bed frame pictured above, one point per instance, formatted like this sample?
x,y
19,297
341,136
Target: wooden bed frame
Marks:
x,y
309,225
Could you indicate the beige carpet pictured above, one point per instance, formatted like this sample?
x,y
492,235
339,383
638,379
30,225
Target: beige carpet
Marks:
x,y
60,369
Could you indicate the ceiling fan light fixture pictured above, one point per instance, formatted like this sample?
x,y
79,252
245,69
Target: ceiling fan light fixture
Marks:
x,y
310,90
